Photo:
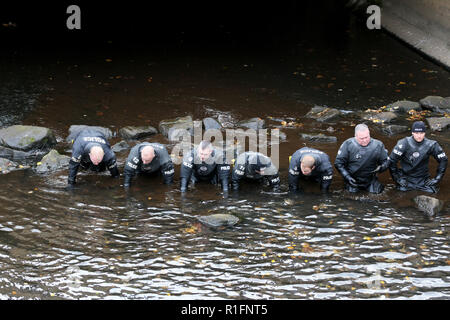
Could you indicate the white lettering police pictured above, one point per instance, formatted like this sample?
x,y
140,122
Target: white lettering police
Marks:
x,y
94,139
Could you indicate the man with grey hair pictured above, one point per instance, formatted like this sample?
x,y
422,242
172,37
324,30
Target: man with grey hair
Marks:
x,y
204,163
359,159
149,159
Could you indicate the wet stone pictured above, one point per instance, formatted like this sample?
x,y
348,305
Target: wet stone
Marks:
x,y
379,117
318,137
7,166
436,104
135,133
404,106
210,123
438,123
27,138
323,114
431,206
253,123
53,161
170,126
75,129
120,146
226,120
12,154
219,220
394,129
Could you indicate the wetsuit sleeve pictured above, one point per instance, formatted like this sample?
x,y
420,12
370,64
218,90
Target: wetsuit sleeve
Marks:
x,y
186,172
294,172
111,163
383,159
342,160
223,173
395,156
326,178
440,156
130,168
168,171
74,163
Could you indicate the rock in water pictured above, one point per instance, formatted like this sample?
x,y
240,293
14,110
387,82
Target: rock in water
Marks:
x,y
136,133
253,123
431,206
436,104
210,123
323,114
181,123
120,146
314,137
404,106
438,123
219,220
27,138
53,161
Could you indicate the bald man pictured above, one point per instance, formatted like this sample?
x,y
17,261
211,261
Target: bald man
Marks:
x,y
310,164
91,151
149,159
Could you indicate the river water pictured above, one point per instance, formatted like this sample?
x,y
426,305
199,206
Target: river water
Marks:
x,y
97,242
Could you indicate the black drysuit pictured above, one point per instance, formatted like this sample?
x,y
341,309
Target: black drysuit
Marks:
x,y
359,165
84,141
322,172
246,166
161,163
215,169
414,157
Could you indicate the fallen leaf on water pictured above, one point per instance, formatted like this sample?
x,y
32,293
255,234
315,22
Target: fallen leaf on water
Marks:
x,y
108,60
367,238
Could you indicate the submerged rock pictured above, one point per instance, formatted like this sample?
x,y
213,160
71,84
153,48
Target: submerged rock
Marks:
x,y
219,220
323,114
436,104
403,106
136,133
431,206
53,161
120,146
379,117
318,137
253,123
27,138
438,123
75,129
394,129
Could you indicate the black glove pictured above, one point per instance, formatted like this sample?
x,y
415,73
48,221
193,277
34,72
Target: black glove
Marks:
x,y
431,182
402,182
351,181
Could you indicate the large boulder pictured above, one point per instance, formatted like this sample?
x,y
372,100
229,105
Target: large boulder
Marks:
x,y
323,114
438,123
219,220
318,137
403,106
136,133
436,104
27,138
431,206
74,130
53,161
253,123
172,128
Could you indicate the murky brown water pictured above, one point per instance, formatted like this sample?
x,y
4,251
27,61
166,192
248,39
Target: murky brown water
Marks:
x,y
98,242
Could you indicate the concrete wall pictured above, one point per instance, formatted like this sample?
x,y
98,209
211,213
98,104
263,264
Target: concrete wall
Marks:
x,y
424,24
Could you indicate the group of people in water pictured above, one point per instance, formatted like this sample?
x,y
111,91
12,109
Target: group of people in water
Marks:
x,y
358,160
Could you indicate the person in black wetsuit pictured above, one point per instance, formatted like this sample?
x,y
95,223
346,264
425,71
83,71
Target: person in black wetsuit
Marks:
x,y
148,158
254,166
91,151
414,153
359,159
204,163
308,163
